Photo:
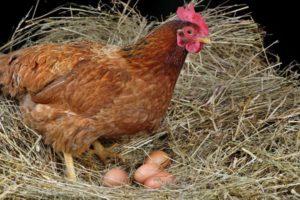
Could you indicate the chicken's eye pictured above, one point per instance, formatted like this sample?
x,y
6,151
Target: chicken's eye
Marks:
x,y
190,32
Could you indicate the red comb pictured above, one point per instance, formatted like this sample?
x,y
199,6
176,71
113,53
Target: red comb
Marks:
x,y
188,13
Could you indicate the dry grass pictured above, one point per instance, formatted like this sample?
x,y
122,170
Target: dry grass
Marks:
x,y
233,129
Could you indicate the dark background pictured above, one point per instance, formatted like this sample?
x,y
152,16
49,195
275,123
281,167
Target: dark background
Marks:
x,y
279,18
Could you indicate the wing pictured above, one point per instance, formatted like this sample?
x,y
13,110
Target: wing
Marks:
x,y
78,77
89,87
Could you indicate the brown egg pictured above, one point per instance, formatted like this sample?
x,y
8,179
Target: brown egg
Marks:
x,y
160,158
159,180
145,171
115,177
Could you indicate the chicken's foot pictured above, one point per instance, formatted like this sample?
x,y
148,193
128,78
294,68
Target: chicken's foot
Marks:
x,y
104,153
70,171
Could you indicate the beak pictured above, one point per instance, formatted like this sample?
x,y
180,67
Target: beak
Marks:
x,y
204,40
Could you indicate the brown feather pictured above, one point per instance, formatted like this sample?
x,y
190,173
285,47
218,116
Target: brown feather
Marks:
x,y
76,93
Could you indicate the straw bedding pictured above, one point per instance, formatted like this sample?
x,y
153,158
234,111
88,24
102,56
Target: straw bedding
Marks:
x,y
233,129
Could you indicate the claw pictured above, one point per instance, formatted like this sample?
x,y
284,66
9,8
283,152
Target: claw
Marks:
x,y
104,153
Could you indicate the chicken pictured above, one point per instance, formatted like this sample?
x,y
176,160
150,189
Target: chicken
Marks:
x,y
80,93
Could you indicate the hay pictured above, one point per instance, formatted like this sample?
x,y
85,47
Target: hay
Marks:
x,y
232,130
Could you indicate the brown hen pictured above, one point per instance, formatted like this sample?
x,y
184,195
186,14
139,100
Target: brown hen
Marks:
x,y
76,93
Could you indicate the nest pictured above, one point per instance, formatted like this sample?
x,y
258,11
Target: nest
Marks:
x,y
233,129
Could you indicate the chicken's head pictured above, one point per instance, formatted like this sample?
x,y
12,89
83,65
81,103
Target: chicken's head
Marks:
x,y
193,36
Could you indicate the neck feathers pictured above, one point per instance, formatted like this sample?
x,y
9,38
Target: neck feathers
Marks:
x,y
158,49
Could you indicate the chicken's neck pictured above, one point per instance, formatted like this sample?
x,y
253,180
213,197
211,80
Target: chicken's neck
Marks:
x,y
158,51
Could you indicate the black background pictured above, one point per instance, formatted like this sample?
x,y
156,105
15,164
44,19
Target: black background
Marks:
x,y
279,18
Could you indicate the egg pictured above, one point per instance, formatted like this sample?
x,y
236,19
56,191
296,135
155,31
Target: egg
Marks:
x,y
159,180
145,171
115,177
160,158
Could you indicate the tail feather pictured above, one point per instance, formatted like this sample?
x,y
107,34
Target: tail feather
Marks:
x,y
8,79
3,69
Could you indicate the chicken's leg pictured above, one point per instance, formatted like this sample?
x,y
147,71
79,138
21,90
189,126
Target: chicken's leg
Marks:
x,y
71,176
104,153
